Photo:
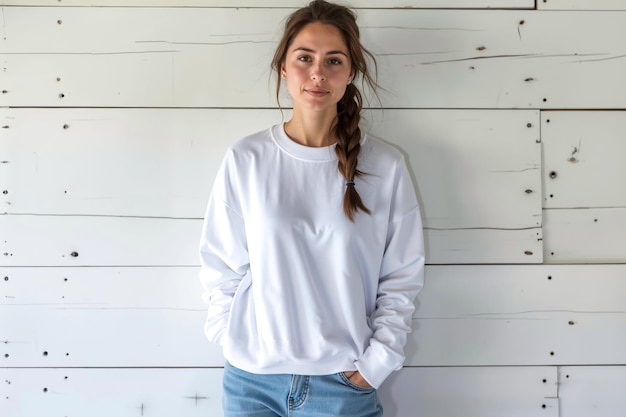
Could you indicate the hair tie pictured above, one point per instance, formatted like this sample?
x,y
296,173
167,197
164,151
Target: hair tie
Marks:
x,y
349,183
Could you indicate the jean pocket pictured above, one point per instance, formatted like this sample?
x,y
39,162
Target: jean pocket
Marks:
x,y
344,379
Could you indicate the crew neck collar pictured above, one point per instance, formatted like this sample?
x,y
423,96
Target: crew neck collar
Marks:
x,y
309,153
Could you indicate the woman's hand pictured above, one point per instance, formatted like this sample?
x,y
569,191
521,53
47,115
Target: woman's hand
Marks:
x,y
356,378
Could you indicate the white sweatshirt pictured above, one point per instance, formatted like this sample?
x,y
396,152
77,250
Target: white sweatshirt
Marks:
x,y
295,287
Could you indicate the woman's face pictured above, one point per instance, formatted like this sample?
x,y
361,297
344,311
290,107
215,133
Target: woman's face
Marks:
x,y
317,68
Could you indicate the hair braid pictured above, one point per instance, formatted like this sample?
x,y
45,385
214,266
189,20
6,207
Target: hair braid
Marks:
x,y
348,135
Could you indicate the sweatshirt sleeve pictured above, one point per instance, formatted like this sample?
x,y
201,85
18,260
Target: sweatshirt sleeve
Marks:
x,y
223,251
401,278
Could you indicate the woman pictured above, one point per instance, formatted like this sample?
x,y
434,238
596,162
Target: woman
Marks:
x,y
312,250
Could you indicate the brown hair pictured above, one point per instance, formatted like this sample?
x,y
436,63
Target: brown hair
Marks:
x,y
346,130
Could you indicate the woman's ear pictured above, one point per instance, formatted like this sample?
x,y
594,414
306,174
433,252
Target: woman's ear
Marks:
x,y
283,72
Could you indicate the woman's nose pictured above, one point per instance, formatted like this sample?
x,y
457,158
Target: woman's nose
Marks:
x,y
317,73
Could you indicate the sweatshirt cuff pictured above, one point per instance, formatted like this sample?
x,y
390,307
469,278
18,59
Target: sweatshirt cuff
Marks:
x,y
377,363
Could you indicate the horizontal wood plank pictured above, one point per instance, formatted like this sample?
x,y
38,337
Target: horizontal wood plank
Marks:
x,y
583,159
30,240
523,315
433,392
595,235
592,391
377,4
496,58
466,316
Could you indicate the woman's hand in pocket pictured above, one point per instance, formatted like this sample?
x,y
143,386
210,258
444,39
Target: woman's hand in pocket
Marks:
x,y
357,379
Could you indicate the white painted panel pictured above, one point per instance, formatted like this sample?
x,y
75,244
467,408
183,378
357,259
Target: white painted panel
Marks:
x,y
596,235
522,315
438,4
476,246
466,316
596,391
432,392
30,240
157,162
471,392
111,392
428,58
581,4
472,168
583,159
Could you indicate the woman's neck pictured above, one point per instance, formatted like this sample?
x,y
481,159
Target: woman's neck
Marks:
x,y
311,129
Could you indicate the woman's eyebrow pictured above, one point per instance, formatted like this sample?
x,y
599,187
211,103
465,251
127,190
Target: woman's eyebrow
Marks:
x,y
309,50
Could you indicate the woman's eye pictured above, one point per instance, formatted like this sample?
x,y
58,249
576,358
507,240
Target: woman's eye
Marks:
x,y
304,58
335,61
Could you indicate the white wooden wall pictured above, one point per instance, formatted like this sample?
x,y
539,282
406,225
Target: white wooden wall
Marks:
x,y
114,115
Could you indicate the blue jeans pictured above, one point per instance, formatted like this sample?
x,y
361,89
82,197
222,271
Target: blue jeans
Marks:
x,y
283,395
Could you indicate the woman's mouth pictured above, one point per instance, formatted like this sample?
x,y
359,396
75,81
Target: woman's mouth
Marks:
x,y
316,92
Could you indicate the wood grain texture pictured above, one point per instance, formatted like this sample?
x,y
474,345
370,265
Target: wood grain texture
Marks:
x,y
466,316
220,57
444,392
583,159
